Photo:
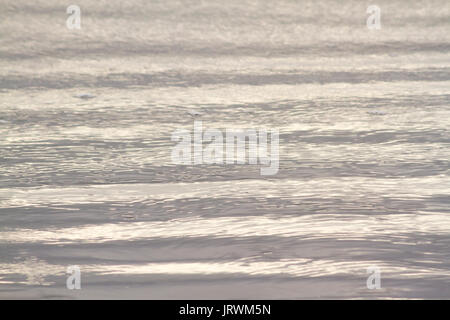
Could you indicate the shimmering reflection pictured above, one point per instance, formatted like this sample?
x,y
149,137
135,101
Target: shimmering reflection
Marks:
x,y
338,187
307,227
37,272
364,149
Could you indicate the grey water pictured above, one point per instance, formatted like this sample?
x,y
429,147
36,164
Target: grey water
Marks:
x,y
86,176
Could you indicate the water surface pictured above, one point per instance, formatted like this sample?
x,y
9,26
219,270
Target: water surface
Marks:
x,y
363,117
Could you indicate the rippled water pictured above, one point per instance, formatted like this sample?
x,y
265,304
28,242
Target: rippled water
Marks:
x,y
363,181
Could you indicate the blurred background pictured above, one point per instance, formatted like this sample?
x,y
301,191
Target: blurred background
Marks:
x,y
86,178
